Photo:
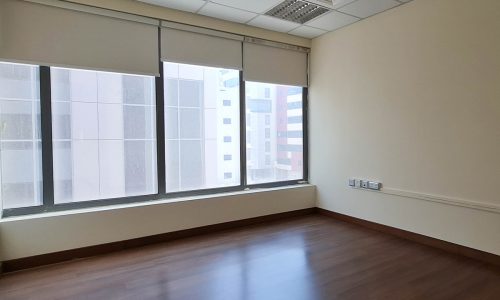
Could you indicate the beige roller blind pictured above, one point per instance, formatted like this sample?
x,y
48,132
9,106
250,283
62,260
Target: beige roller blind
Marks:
x,y
57,36
271,64
201,48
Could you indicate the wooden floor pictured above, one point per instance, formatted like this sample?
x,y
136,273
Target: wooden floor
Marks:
x,y
310,257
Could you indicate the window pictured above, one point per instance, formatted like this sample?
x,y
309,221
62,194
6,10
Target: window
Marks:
x,y
20,138
104,135
98,130
200,128
274,157
267,92
232,83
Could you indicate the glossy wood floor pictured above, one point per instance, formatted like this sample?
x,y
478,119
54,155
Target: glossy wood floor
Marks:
x,y
310,257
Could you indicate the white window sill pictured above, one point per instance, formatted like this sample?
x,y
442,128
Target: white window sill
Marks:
x,y
151,203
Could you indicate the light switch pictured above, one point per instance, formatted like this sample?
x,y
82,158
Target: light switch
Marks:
x,y
352,182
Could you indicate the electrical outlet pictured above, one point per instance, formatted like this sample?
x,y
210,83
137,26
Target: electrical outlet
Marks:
x,y
357,183
364,184
352,182
373,185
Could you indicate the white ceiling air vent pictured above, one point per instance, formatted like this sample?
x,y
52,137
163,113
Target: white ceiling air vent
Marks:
x,y
299,11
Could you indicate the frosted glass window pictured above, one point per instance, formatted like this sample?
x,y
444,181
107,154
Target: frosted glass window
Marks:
x,y
199,139
104,135
20,143
274,132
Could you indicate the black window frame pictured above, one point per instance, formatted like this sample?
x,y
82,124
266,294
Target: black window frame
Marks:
x,y
48,204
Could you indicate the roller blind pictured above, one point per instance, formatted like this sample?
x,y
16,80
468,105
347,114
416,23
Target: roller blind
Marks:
x,y
203,48
270,64
57,36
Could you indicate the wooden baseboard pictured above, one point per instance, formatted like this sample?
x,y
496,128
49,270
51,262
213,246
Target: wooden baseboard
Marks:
x,y
85,252
62,256
422,239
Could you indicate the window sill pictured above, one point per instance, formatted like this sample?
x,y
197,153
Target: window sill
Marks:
x,y
254,190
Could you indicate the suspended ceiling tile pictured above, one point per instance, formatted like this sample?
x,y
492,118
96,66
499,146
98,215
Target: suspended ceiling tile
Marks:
x,y
256,6
307,32
332,21
226,13
340,3
273,23
366,8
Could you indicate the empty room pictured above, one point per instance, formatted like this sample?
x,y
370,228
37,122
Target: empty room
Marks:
x,y
249,149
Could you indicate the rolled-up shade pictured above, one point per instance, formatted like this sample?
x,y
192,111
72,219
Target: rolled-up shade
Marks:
x,y
270,64
56,36
195,48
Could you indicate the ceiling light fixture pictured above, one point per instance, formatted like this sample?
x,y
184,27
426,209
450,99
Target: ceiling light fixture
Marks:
x,y
298,11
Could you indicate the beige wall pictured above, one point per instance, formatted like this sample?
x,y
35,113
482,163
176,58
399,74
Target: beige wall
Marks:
x,y
411,97
28,236
136,7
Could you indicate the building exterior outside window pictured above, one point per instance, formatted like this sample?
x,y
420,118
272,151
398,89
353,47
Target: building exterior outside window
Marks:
x,y
104,135
20,137
274,132
201,127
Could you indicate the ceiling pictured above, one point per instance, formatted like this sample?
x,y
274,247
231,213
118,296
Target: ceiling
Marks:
x,y
252,12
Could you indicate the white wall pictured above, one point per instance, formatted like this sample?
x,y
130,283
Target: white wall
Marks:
x,y
33,235
411,97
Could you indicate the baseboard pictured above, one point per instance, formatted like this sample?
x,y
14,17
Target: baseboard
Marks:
x,y
419,238
85,252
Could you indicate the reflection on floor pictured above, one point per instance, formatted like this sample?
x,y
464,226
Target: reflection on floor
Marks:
x,y
310,257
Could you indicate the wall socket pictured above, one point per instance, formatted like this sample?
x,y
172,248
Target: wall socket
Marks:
x,y
374,185
365,184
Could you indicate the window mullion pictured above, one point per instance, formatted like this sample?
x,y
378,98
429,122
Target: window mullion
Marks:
x,y
243,133
160,127
46,128
305,136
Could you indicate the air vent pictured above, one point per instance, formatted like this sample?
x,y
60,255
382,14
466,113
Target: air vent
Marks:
x,y
296,11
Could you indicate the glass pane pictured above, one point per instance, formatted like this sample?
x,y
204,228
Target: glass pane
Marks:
x,y
20,144
104,131
190,123
140,167
274,132
202,146
63,171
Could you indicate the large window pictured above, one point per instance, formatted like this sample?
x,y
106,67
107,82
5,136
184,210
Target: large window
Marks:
x,y
104,135
20,140
175,110
202,147
274,133
104,139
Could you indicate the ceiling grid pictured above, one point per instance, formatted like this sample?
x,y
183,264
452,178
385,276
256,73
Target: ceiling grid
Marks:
x,y
304,18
